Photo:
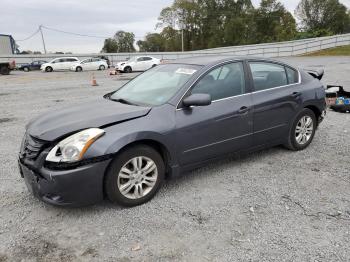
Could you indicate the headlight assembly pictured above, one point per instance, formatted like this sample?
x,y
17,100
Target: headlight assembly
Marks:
x,y
73,148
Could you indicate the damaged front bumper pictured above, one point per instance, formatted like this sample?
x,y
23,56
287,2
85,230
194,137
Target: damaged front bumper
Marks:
x,y
79,186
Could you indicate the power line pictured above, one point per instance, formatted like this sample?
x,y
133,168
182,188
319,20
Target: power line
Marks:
x,y
30,36
71,33
78,34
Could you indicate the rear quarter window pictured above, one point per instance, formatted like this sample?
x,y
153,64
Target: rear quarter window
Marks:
x,y
292,75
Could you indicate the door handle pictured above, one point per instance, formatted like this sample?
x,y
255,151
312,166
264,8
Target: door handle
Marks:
x,y
243,110
296,94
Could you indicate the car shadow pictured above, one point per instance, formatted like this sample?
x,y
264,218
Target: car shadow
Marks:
x,y
170,185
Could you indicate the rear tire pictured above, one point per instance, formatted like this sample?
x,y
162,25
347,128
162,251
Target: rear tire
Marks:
x,y
134,176
102,67
4,70
48,69
302,130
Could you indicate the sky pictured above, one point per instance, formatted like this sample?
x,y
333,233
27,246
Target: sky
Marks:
x,y
90,17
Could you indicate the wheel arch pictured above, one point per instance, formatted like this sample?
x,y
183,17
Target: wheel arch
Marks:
x,y
156,145
160,147
316,111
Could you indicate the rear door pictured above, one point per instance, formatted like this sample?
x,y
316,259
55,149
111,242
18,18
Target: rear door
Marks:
x,y
224,126
147,63
137,66
34,65
69,62
276,99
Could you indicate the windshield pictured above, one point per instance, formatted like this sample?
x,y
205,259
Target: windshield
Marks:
x,y
156,86
131,59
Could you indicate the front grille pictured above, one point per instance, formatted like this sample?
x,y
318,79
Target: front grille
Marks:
x,y
31,147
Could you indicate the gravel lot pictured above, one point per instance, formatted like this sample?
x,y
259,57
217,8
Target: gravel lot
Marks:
x,y
273,205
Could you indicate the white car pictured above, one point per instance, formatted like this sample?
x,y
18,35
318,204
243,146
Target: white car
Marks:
x,y
138,63
61,63
90,64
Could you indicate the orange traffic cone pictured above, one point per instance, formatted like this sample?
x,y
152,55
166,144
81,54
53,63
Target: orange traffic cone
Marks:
x,y
93,81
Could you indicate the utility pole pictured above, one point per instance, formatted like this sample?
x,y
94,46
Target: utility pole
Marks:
x,y
182,39
42,37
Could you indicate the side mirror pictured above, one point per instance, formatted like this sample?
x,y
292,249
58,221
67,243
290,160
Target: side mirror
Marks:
x,y
197,100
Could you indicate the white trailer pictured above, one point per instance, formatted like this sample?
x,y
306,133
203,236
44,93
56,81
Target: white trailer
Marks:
x,y
7,47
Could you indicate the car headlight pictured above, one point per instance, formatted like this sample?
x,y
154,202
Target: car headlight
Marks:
x,y
73,148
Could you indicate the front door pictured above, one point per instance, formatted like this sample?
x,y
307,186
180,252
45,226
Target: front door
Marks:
x,y
222,127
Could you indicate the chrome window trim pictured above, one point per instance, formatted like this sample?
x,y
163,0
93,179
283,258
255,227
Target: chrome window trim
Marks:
x,y
226,98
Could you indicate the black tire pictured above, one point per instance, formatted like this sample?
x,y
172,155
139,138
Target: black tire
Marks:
x,y
102,67
112,175
292,142
4,70
154,65
48,69
128,69
26,69
79,69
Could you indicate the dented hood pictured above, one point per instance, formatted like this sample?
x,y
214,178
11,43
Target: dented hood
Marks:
x,y
53,125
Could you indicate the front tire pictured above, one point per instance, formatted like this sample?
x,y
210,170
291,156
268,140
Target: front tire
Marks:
x,y
102,67
134,176
79,69
128,69
48,69
26,69
302,130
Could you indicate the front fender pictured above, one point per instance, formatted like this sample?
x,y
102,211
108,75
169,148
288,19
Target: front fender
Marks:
x,y
157,127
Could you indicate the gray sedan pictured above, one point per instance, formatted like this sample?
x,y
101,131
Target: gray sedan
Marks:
x,y
170,119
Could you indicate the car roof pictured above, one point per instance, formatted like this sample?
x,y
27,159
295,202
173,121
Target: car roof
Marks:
x,y
215,59
66,57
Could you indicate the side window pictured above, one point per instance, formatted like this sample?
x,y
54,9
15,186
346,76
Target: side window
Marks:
x,y
222,82
267,75
147,58
292,75
139,59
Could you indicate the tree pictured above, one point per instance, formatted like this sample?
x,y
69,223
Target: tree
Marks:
x,y
152,43
273,22
110,46
214,23
328,16
121,42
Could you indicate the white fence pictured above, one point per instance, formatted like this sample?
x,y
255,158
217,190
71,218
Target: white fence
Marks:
x,y
279,49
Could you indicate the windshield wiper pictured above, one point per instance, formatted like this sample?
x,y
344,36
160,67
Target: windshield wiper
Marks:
x,y
123,101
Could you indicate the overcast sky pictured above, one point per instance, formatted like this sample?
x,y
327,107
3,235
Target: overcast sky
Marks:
x,y
91,17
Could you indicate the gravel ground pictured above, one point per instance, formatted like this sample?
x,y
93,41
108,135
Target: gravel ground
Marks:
x,y
272,205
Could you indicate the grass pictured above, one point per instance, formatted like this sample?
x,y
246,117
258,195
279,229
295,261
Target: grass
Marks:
x,y
336,51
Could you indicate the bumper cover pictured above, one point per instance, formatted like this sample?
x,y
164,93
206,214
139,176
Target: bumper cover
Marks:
x,y
76,187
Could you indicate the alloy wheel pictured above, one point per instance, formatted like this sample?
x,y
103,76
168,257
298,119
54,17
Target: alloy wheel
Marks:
x,y
304,130
137,177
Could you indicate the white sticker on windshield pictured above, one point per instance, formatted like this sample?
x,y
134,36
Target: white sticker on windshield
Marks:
x,y
186,71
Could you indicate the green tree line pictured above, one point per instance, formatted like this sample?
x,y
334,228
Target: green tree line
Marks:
x,y
217,23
